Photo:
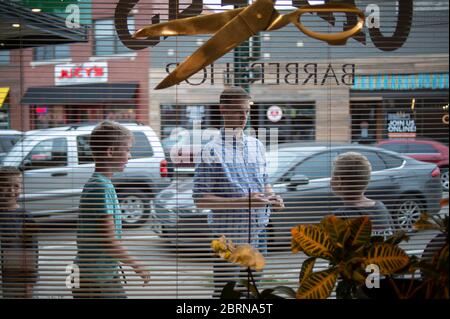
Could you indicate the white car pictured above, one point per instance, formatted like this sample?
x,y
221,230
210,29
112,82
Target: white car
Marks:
x,y
58,162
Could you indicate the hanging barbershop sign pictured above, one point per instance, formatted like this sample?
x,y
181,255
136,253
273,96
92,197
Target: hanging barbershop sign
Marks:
x,y
233,27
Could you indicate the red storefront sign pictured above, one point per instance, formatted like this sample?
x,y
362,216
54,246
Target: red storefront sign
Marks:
x,y
91,72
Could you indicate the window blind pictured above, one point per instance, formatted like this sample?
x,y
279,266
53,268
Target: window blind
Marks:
x,y
383,94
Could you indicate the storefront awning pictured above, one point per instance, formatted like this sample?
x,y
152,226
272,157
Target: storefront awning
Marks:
x,y
101,93
3,94
397,82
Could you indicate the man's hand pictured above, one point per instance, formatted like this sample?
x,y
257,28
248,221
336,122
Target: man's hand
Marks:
x,y
259,200
277,202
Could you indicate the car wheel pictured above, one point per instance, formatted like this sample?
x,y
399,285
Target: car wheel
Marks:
x,y
444,179
136,208
408,213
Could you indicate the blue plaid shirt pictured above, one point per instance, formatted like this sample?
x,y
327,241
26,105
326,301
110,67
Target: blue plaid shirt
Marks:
x,y
230,167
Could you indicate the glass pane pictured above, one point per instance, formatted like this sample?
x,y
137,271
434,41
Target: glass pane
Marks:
x,y
374,159
105,46
104,28
48,153
38,54
141,146
62,51
121,48
317,166
84,150
391,161
4,57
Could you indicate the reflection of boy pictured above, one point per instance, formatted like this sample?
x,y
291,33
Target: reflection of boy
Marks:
x,y
350,178
100,223
19,251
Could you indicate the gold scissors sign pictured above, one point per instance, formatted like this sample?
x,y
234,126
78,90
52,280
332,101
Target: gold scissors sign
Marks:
x,y
233,27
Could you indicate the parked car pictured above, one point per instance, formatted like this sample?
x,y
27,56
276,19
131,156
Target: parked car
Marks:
x,y
8,138
58,162
423,150
301,175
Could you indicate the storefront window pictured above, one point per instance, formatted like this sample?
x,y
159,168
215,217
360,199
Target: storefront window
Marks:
x,y
421,117
4,117
4,57
295,121
52,52
184,116
106,40
49,116
364,121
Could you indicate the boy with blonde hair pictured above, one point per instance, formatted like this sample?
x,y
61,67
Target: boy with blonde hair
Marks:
x,y
18,244
349,180
100,223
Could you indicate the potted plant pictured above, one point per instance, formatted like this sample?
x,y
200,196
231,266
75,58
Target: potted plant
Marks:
x,y
251,259
349,248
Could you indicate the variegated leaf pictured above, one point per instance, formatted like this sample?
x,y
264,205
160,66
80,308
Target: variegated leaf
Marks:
x,y
389,258
334,226
307,269
360,231
318,285
314,241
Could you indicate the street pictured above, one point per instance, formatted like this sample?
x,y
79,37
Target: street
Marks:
x,y
176,271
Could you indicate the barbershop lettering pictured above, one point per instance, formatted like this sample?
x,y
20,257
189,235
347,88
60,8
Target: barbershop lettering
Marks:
x,y
280,74
382,42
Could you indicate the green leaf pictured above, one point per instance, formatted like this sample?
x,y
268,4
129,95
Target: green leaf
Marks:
x,y
307,269
318,285
334,226
253,290
389,258
397,238
228,291
441,260
344,290
360,231
269,294
314,241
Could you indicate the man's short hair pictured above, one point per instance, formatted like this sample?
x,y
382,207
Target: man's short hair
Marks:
x,y
7,173
234,95
353,170
107,134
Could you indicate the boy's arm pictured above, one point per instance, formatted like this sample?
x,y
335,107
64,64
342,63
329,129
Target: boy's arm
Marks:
x,y
116,250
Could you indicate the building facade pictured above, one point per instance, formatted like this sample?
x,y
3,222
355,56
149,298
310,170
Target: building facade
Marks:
x,y
77,83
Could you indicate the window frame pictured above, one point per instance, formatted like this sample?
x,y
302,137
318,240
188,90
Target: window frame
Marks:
x,y
52,49
116,41
28,156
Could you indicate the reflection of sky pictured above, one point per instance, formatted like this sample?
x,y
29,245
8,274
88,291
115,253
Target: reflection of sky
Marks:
x,y
280,4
